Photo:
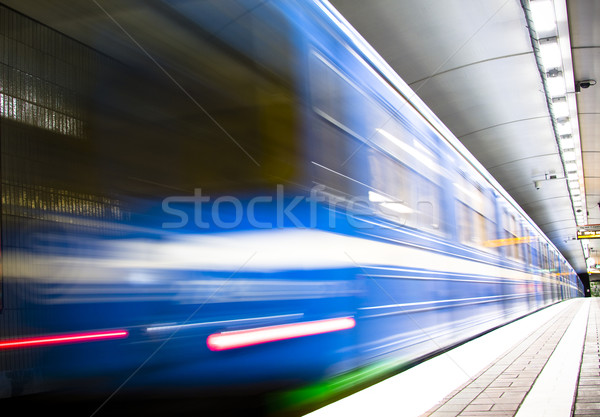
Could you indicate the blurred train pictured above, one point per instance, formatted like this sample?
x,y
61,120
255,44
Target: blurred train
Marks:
x,y
217,194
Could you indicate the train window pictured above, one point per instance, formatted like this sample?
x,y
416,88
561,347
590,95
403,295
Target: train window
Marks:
x,y
481,220
516,236
475,209
526,245
533,249
398,140
328,90
489,214
464,223
544,257
391,191
508,247
340,152
341,102
393,154
428,205
337,99
512,236
403,195
528,236
352,106
554,269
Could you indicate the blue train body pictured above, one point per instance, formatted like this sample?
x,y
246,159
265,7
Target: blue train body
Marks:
x,y
388,242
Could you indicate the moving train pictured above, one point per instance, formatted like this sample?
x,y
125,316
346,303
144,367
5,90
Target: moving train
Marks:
x,y
211,195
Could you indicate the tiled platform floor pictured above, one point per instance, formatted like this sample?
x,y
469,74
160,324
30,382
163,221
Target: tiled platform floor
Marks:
x,y
587,401
528,368
500,390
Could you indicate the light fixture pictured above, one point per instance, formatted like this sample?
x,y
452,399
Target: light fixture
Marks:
x,y
542,14
560,107
571,166
550,39
564,127
550,53
573,175
569,155
556,84
566,141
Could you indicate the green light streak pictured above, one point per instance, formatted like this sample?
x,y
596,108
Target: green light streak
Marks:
x,y
319,394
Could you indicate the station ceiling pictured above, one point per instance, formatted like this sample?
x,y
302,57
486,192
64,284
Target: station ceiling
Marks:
x,y
474,65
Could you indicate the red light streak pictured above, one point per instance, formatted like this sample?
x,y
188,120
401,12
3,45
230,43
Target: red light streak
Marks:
x,y
242,338
63,339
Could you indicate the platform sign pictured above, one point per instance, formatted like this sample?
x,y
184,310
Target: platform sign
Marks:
x,y
588,233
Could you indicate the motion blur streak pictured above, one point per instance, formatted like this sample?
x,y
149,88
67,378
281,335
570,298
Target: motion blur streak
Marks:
x,y
172,327
123,206
243,338
62,339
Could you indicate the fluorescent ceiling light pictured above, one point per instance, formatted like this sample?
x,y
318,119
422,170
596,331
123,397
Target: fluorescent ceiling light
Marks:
x,y
550,53
572,175
567,142
560,108
569,156
570,166
564,128
556,86
542,14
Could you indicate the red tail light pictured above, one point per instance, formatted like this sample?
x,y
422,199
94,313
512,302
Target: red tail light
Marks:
x,y
63,339
242,338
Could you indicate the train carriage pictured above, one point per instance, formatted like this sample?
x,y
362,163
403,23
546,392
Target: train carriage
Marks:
x,y
248,196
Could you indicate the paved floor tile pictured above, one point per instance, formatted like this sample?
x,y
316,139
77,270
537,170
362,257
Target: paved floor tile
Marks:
x,y
587,400
499,390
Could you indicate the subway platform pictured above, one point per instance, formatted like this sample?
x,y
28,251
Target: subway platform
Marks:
x,y
546,364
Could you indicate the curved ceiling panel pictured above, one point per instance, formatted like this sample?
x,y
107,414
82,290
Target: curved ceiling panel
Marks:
x,y
484,94
491,143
